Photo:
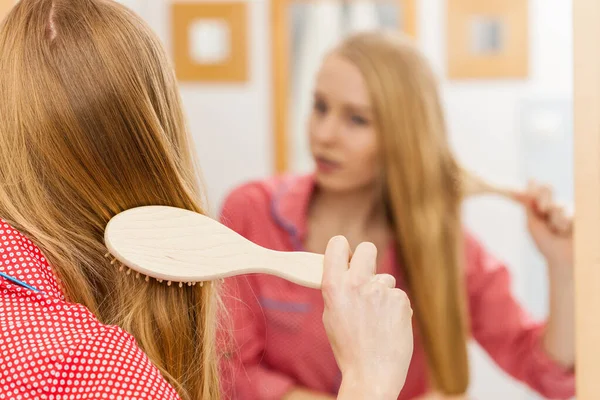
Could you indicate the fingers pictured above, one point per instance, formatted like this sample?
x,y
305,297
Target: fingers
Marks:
x,y
335,265
543,199
337,255
401,296
542,206
540,197
360,273
363,263
380,290
385,279
559,220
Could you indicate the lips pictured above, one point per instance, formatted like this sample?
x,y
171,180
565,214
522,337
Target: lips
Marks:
x,y
325,165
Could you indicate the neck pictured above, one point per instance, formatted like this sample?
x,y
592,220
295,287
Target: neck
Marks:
x,y
350,210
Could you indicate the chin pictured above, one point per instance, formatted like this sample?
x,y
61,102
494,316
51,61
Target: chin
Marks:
x,y
335,182
328,181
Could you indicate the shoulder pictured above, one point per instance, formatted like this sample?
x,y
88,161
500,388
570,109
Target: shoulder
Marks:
x,y
21,259
256,191
122,368
253,199
477,255
473,248
71,352
483,268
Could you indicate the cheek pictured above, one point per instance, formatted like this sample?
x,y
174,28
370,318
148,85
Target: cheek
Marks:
x,y
366,156
312,126
368,146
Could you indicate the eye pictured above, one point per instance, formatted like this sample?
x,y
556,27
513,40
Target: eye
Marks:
x,y
320,107
358,120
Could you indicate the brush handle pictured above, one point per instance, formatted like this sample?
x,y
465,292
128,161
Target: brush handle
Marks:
x,y
302,268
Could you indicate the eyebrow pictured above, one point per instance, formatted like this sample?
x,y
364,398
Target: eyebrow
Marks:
x,y
353,106
359,107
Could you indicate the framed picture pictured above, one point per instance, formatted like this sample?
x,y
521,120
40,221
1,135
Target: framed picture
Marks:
x,y
302,30
210,41
487,39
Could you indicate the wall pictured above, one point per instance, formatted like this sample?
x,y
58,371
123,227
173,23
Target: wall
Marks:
x,y
231,126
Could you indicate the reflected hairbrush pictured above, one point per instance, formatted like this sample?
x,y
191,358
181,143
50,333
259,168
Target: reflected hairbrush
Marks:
x,y
175,245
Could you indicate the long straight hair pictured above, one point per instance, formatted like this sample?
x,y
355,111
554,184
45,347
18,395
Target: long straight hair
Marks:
x,y
90,125
422,193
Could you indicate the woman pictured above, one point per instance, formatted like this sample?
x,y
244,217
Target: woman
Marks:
x,y
385,173
91,125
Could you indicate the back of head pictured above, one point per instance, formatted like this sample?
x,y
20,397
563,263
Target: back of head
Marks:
x,y
92,125
422,194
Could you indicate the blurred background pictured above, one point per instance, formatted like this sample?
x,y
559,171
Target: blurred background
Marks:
x,y
507,95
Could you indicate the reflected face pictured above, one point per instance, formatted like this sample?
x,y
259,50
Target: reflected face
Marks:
x,y
343,139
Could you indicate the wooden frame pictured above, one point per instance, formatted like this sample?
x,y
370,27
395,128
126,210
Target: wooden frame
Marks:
x,y
586,24
232,69
510,62
280,66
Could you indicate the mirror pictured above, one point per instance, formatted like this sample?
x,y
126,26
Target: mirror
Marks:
x,y
505,74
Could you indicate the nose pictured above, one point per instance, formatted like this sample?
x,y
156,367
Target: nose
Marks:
x,y
325,129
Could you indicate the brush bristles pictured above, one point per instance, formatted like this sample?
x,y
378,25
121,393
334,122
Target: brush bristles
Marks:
x,y
123,267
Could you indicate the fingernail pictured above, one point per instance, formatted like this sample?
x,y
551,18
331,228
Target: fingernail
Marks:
x,y
336,240
337,243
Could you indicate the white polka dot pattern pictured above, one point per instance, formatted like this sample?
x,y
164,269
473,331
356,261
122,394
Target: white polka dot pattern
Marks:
x,y
22,260
54,350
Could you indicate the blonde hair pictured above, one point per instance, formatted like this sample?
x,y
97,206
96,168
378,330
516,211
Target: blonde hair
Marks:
x,y
422,195
91,125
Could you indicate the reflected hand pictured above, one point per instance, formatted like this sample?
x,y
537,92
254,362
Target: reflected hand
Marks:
x,y
550,226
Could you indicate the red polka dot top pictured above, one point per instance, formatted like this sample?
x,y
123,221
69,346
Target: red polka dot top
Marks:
x,y
53,349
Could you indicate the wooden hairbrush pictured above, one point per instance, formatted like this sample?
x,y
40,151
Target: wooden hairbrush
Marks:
x,y
175,245
179,246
